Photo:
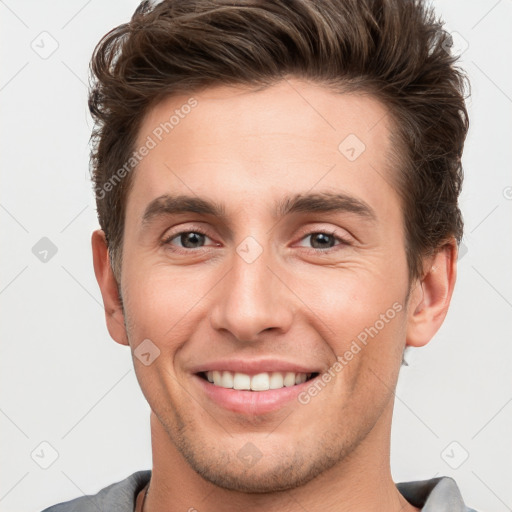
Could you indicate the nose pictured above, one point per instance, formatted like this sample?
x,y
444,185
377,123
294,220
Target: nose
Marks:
x,y
252,299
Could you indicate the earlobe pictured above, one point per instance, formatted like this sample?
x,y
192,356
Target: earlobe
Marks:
x,y
431,297
114,314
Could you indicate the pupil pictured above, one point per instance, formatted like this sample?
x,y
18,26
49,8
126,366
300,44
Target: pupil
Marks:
x,y
324,237
191,238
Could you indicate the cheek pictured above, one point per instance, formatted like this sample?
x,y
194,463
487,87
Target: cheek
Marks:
x,y
363,317
348,301
162,305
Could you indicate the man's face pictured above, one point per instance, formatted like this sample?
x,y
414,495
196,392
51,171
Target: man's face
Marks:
x,y
264,288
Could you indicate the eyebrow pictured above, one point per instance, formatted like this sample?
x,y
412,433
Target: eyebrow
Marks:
x,y
324,202
168,205
321,202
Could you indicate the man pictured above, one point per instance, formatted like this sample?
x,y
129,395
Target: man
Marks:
x,y
277,187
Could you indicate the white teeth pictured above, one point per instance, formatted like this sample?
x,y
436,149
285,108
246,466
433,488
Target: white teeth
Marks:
x,y
289,379
276,380
259,382
241,381
227,380
300,378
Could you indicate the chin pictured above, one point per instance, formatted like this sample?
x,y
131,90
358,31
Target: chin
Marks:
x,y
281,468
268,478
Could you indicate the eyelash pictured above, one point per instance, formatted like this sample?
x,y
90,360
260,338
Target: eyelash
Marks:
x,y
343,242
167,240
311,250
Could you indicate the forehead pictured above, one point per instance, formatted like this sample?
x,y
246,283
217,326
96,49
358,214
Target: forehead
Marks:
x,y
241,144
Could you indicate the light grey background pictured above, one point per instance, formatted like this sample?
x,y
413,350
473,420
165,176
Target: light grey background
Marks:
x,y
66,383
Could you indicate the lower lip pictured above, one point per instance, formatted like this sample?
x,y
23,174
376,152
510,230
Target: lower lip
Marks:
x,y
251,402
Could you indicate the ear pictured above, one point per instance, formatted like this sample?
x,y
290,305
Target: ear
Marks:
x,y
114,314
431,296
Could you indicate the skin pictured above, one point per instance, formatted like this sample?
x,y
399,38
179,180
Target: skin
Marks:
x,y
298,301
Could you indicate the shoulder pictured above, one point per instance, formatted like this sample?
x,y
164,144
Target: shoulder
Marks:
x,y
117,497
436,494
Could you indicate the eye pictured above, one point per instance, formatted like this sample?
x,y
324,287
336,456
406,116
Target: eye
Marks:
x,y
323,241
186,239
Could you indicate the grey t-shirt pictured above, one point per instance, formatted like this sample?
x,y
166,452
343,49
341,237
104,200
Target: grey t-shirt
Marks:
x,y
435,495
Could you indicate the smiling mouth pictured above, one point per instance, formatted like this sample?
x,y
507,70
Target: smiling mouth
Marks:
x,y
259,382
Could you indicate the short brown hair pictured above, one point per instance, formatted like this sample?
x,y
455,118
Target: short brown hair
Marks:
x,y
395,50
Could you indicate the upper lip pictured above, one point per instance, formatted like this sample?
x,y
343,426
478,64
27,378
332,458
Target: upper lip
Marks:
x,y
255,366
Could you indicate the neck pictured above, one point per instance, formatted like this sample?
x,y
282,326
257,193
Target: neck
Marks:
x,y
360,482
